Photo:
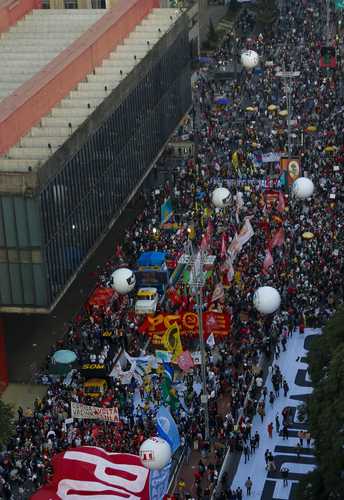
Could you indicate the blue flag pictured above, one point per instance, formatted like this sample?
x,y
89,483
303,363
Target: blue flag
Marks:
x,y
167,428
168,371
166,211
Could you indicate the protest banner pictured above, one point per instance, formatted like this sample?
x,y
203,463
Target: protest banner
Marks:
x,y
79,410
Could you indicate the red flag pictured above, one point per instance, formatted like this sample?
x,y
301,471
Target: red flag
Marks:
x,y
223,246
268,261
281,202
90,472
185,361
119,252
204,243
277,239
209,232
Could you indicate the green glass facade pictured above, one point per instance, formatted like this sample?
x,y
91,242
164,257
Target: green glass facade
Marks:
x,y
59,227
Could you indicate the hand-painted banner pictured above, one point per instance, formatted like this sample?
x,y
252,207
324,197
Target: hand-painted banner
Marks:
x,y
79,410
213,322
90,472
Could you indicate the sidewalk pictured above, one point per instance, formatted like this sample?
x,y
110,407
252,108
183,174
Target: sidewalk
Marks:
x,y
23,395
188,469
268,485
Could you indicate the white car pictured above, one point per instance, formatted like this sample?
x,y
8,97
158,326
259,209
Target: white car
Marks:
x,y
146,301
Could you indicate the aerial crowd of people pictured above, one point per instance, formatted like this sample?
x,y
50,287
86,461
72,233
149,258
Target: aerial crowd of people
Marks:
x,y
230,141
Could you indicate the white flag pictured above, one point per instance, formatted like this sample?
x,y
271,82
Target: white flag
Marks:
x,y
211,340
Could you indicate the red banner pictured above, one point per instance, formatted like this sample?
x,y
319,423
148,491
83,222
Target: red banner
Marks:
x,y
89,472
213,322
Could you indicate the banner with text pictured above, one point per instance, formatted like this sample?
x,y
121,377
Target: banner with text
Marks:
x,y
79,410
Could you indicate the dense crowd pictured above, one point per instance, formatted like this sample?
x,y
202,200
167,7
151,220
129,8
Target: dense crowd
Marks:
x,y
307,273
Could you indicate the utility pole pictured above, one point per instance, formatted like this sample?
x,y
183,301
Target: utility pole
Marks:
x,y
288,77
328,15
195,262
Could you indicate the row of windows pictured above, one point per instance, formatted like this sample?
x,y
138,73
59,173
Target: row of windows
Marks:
x,y
70,187
91,217
79,203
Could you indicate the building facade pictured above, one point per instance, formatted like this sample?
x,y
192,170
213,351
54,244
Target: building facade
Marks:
x,y
48,231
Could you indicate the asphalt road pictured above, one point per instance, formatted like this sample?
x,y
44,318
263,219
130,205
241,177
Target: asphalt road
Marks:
x,y
30,337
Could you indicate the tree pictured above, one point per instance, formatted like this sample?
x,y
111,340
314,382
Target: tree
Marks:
x,y
266,14
325,409
7,427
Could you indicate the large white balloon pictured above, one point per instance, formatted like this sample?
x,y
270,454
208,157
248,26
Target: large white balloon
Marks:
x,y
155,453
221,197
303,188
249,59
266,299
123,280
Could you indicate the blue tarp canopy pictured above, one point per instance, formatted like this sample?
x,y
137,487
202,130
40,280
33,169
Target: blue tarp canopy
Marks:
x,y
222,100
64,357
147,259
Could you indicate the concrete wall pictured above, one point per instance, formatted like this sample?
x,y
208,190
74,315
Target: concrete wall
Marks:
x,y
12,11
34,99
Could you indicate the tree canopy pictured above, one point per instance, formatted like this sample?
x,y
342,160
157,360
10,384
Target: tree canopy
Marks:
x,y
326,413
6,423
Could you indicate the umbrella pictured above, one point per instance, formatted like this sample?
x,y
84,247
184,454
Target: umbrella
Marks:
x,y
222,100
284,112
64,357
330,149
307,235
251,109
311,128
272,107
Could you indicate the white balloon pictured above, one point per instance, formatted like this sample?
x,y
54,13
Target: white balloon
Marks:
x,y
303,188
221,197
249,59
123,280
155,453
266,299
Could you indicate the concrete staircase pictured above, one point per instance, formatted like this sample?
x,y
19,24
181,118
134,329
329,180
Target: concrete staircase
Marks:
x,y
43,140
36,40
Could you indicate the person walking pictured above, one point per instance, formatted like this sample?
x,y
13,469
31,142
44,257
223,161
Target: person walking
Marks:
x,y
257,438
308,438
285,388
248,485
266,456
285,432
285,474
277,422
271,398
246,453
270,429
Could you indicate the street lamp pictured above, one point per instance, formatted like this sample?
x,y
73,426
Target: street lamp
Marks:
x,y
288,75
197,277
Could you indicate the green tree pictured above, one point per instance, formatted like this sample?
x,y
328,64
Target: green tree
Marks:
x,y
266,15
6,423
325,409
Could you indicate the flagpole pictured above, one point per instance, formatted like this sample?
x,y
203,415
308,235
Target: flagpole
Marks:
x,y
204,396
196,282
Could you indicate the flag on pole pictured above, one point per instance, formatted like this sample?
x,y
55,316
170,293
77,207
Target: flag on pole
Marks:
x,y
281,202
268,261
223,246
167,428
230,272
277,239
218,293
171,341
211,340
185,361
